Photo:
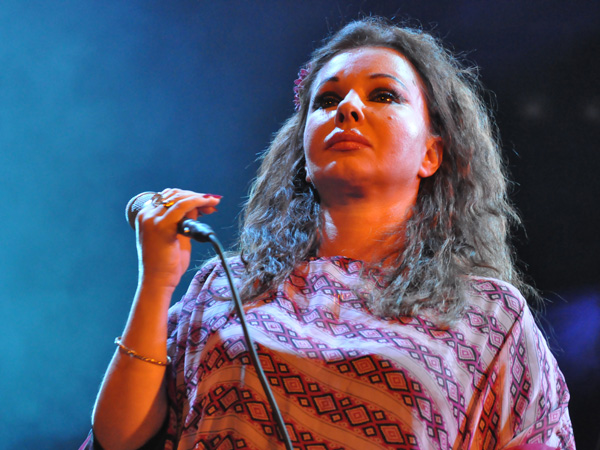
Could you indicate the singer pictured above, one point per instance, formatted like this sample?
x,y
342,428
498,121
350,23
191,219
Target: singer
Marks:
x,y
376,273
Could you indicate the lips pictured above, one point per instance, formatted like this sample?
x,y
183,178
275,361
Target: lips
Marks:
x,y
346,140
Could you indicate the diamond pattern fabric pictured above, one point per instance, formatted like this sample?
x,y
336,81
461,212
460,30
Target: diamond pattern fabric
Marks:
x,y
347,379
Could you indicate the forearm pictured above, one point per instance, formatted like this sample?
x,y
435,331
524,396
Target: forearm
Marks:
x,y
132,402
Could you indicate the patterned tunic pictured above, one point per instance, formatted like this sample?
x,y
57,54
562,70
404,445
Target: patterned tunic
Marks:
x,y
347,379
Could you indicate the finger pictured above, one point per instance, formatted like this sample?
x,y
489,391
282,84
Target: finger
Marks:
x,y
172,205
187,205
170,196
208,210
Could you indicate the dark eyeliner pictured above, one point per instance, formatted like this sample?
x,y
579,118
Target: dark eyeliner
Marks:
x,y
390,94
321,100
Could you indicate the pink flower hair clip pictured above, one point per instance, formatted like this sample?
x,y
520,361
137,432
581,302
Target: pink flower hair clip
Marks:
x,y
299,84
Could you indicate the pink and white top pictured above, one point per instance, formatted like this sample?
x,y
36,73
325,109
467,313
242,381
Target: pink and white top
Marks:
x,y
347,379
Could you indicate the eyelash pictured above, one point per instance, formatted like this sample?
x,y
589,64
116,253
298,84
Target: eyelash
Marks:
x,y
329,99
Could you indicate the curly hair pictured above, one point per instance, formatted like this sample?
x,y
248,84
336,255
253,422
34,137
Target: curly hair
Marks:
x,y
461,221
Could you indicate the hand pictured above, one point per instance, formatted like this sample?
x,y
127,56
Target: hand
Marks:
x,y
163,254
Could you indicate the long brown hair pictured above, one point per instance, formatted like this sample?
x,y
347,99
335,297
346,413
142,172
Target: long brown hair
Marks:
x,y
461,221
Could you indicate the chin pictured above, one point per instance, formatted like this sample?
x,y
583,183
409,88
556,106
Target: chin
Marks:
x,y
341,183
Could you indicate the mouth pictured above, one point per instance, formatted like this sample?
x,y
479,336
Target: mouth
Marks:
x,y
346,140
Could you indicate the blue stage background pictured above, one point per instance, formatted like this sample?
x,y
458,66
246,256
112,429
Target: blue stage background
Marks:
x,y
100,100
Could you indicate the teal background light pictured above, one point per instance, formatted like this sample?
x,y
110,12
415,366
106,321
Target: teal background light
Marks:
x,y
101,100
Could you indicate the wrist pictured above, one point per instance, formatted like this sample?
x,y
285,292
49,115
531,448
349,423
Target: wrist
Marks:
x,y
157,282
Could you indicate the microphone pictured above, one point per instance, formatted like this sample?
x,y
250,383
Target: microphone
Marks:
x,y
187,227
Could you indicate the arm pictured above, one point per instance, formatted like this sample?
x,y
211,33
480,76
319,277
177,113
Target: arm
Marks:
x,y
541,399
522,401
132,403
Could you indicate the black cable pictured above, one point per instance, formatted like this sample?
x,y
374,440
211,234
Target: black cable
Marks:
x,y
203,233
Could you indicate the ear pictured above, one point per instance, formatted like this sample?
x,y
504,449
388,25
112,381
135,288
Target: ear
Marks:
x,y
433,156
308,178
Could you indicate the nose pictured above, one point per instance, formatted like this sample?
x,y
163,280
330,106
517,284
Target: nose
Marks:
x,y
350,110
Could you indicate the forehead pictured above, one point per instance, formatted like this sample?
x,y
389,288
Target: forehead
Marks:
x,y
368,61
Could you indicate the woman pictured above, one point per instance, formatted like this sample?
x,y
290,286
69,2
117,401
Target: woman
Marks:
x,y
375,269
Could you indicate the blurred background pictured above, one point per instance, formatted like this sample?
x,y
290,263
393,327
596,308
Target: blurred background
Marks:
x,y
100,100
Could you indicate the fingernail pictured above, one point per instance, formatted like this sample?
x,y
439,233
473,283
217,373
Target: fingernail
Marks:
x,y
212,195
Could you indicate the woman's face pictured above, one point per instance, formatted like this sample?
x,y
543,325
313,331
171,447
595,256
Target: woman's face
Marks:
x,y
367,128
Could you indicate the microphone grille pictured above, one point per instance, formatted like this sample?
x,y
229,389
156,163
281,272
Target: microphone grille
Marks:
x,y
135,205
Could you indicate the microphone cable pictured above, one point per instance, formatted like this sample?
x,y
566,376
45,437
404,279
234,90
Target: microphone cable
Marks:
x,y
203,233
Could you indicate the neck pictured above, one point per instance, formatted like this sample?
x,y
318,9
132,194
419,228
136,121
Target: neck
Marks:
x,y
361,229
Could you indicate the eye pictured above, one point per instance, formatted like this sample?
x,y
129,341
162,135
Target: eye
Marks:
x,y
386,96
326,100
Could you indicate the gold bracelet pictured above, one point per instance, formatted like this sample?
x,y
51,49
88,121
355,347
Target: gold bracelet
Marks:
x,y
134,354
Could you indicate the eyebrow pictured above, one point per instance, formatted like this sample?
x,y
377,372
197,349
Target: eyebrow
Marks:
x,y
387,75
327,80
372,76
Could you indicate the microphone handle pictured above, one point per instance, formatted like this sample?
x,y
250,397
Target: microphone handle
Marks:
x,y
196,230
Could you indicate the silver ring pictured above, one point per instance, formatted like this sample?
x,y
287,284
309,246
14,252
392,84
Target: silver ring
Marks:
x,y
157,200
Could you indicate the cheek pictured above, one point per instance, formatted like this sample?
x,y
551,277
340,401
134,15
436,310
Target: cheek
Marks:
x,y
393,132
307,137
402,132
313,134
